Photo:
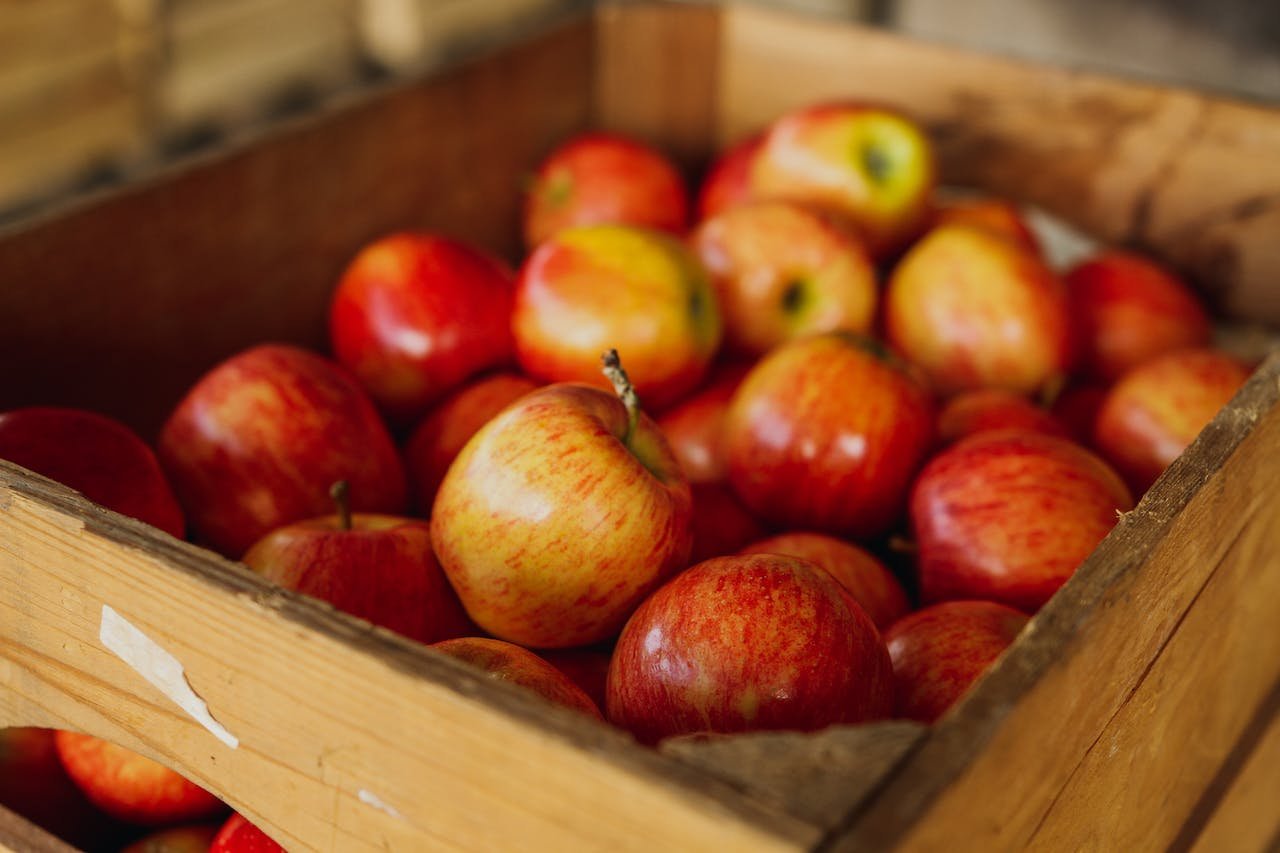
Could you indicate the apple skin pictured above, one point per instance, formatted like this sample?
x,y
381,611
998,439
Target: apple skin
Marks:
x,y
586,667
238,835
178,839
416,315
97,456
695,427
638,291
998,215
441,435
1157,409
1008,515
974,310
258,441
1129,309
940,651
747,643
782,271
825,433
551,529
865,162
600,178
728,181
1077,409
508,662
382,570
721,524
863,576
992,408
132,787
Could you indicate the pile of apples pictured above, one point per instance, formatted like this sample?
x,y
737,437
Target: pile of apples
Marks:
x,y
690,477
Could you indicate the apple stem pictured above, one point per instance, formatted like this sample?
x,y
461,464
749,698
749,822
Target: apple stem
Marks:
x,y
903,545
612,367
339,492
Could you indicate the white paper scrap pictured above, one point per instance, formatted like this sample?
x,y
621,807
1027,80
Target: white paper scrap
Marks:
x,y
371,799
159,668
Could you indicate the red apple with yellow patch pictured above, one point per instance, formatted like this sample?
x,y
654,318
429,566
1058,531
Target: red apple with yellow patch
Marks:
x,y
508,662
997,215
238,835
34,784
728,181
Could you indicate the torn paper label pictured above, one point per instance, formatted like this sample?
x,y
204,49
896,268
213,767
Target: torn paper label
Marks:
x,y
371,799
161,669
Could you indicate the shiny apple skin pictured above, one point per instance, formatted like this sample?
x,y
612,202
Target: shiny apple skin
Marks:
x,y
721,524
940,651
259,440
238,835
602,287
1008,515
97,456
695,427
747,643
782,271
829,155
976,311
505,661
132,787
985,409
1157,409
728,181
441,435
416,315
600,178
998,215
586,667
863,576
178,839
826,433
382,570
1129,309
551,529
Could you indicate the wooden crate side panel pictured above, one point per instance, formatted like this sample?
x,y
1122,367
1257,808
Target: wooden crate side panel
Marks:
x,y
1192,179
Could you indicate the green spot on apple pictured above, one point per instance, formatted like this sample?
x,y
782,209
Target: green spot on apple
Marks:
x,y
793,297
876,162
558,189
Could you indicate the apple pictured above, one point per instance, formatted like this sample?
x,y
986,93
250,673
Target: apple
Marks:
x,y
1156,410
178,839
561,514
992,408
638,291
97,456
695,427
416,315
258,441
586,667
868,163
377,567
132,787
238,835
728,181
436,441
1008,515
975,310
863,576
508,662
747,643
1076,407
825,433
1129,309
940,651
782,271
998,215
602,178
721,524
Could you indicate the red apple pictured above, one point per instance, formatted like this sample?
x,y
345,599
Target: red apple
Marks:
x,y
747,643
600,178
826,433
1008,515
1128,309
997,215
721,524
560,515
607,286
178,839
782,271
586,667
977,311
97,456
1157,409
132,787
1076,408
992,408
863,576
695,427
940,651
258,441
416,315
441,435
728,181
508,662
377,567
868,163
239,836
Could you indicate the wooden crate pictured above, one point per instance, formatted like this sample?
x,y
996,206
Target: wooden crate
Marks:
x,y
1137,712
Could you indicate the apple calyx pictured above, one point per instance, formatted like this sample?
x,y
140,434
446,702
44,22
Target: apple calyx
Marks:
x,y
611,366
340,492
